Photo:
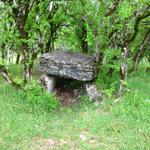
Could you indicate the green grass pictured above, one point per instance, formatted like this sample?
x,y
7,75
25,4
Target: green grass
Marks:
x,y
123,125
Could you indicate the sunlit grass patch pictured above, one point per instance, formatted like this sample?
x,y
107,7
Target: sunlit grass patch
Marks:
x,y
107,126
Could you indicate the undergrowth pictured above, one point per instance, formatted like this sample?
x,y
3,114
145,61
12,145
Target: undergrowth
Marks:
x,y
112,125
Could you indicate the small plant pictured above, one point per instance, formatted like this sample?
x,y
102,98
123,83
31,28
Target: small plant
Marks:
x,y
37,97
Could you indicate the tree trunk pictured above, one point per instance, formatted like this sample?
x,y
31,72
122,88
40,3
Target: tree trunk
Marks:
x,y
123,70
26,57
52,38
21,22
140,53
3,51
98,56
97,47
83,34
50,43
49,46
33,57
18,59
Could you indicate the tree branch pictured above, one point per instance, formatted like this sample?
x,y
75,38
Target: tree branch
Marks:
x,y
7,77
141,51
113,9
138,20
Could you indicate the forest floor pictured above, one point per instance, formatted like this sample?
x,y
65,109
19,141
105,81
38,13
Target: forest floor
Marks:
x,y
124,125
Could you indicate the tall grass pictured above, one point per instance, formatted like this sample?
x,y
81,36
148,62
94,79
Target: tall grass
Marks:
x,y
123,125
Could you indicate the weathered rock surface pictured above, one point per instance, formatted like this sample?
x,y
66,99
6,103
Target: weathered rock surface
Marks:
x,y
68,65
48,82
94,94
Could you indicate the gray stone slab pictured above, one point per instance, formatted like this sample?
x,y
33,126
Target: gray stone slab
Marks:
x,y
68,65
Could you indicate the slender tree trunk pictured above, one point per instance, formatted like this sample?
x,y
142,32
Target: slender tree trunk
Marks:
x,y
138,58
26,56
33,57
3,50
52,38
18,59
83,36
50,43
140,53
123,70
97,49
27,70
3,55
98,56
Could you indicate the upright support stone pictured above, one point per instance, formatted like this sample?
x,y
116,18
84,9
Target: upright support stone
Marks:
x,y
93,93
48,82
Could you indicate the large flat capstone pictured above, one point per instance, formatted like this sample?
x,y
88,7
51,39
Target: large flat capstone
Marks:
x,y
70,65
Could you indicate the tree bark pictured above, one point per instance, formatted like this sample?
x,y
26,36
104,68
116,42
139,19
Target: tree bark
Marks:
x,y
21,22
141,51
18,59
123,67
83,36
7,77
50,43
123,71
3,51
113,9
27,71
138,20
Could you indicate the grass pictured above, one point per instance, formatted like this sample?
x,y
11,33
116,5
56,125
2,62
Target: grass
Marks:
x,y
124,125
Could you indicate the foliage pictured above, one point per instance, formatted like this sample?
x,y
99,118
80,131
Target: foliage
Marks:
x,y
116,33
103,29
110,125
37,97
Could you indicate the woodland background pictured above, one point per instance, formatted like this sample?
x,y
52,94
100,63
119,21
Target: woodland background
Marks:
x,y
116,33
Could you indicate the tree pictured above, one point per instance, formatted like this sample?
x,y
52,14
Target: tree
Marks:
x,y
115,32
31,26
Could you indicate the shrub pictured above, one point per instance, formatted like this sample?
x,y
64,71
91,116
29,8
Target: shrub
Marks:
x,y
37,97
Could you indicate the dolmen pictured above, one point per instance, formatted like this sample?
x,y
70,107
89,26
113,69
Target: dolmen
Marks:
x,y
69,65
